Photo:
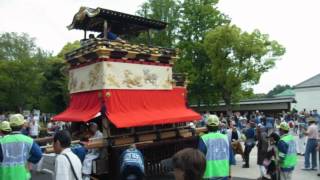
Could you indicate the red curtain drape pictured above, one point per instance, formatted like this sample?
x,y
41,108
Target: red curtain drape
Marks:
x,y
131,108
82,107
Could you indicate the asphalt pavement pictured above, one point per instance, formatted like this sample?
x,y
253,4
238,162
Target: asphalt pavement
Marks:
x,y
254,173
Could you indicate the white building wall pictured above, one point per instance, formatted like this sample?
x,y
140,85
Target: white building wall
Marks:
x,y
307,98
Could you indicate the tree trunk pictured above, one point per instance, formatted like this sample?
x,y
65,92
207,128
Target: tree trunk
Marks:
x,y
227,101
228,108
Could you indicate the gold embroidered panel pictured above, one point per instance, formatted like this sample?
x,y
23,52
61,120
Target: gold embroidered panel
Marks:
x,y
119,75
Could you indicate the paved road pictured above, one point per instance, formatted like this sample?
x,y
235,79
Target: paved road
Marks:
x,y
253,171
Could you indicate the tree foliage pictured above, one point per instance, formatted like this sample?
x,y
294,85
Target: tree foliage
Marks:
x,y
239,59
162,10
197,18
20,71
16,47
278,89
31,77
20,84
70,46
188,22
55,86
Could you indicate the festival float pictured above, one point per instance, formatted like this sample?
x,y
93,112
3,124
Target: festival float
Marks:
x,y
129,90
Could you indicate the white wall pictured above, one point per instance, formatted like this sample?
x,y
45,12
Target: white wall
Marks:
x,y
307,98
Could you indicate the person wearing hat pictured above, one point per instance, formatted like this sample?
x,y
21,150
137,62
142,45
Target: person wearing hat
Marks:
x,y
17,149
216,147
316,115
311,147
5,128
286,152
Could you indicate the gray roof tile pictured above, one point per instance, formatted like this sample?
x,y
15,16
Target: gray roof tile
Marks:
x,y
311,82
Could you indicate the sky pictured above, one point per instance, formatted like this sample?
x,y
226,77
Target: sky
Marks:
x,y
293,23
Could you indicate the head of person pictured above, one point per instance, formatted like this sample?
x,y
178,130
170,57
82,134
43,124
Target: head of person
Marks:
x,y
109,28
17,122
311,120
189,164
133,146
93,127
260,128
213,123
91,36
252,124
5,127
301,117
274,138
233,126
61,141
284,128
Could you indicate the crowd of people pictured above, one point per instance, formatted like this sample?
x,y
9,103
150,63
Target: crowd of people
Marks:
x,y
274,137
18,151
279,142
35,122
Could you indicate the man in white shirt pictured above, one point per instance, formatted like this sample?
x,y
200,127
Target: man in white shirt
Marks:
x,y
34,128
67,164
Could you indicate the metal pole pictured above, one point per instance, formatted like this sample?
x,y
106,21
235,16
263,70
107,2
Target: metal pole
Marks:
x,y
105,30
85,34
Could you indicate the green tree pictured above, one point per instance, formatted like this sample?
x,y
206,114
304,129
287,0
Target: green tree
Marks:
x,y
197,18
14,46
20,84
278,89
70,46
31,77
162,10
55,86
21,62
239,59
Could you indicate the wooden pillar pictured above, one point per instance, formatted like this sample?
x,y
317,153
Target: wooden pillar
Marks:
x,y
105,29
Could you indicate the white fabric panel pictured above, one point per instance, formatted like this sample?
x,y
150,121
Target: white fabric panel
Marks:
x,y
119,75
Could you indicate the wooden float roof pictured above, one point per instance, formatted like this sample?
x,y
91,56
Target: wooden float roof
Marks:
x,y
93,19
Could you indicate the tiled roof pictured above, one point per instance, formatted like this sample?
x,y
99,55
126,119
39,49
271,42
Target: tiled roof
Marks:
x,y
311,82
285,93
90,19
